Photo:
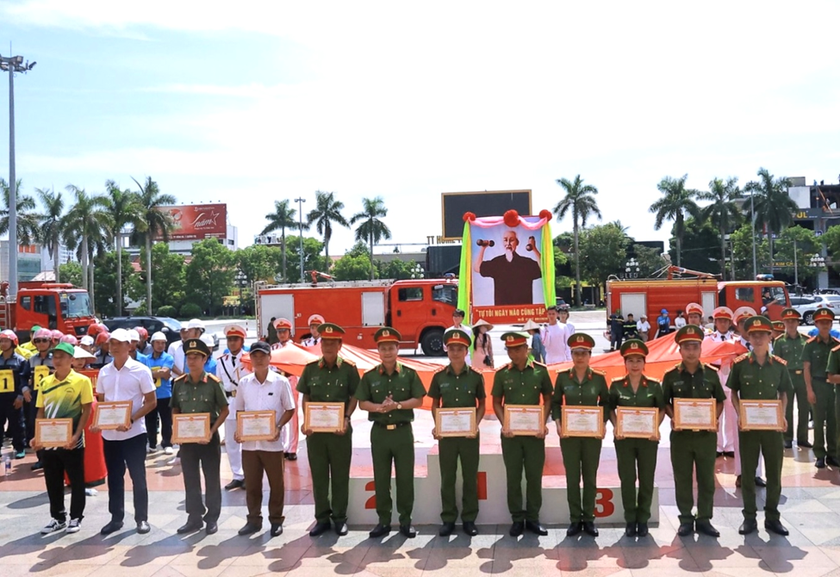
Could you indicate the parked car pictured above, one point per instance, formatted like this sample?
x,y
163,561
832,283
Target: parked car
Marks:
x,y
168,326
808,305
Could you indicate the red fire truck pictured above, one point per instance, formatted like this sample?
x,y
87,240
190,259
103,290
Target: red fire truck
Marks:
x,y
49,305
419,309
650,296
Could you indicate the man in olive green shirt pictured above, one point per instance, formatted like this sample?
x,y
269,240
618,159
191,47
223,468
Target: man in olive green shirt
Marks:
x,y
390,392
790,347
330,379
821,393
693,450
522,382
456,386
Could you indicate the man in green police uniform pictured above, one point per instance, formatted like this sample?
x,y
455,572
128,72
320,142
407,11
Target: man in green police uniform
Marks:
x,y
522,382
821,393
693,450
758,375
330,379
458,385
790,347
390,392
833,370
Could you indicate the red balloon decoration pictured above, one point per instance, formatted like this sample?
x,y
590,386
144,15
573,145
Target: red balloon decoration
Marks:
x,y
512,218
469,217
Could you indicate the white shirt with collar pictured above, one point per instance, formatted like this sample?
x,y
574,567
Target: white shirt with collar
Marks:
x,y
275,394
554,340
130,383
176,349
230,371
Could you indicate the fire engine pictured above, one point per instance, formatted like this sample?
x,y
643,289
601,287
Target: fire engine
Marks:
x,y
49,305
650,296
420,309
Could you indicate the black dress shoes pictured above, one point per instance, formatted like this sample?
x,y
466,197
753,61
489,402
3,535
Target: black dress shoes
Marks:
x,y
820,463
776,527
642,530
788,444
408,531
535,528
574,529
319,529
111,527
832,462
276,529
759,482
290,456
446,529
517,529
804,444
143,527
747,527
249,529
685,529
707,528
341,528
630,530
190,527
590,529
379,531
212,528
470,528
235,484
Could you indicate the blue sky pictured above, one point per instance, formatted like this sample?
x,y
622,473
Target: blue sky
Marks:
x,y
252,102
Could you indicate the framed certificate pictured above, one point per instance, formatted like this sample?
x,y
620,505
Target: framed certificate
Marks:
x,y
761,415
112,415
582,421
637,422
190,427
525,419
53,432
455,422
695,414
256,425
324,417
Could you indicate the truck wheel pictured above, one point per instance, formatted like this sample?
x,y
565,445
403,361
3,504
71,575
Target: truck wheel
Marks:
x,y
432,343
808,318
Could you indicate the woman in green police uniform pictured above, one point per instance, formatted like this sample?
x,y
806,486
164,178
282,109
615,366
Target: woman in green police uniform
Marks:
x,y
636,455
580,385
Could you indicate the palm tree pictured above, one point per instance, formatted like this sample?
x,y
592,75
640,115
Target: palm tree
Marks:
x,y
85,228
124,209
27,221
774,209
372,229
158,224
678,202
724,210
327,211
580,200
282,218
51,225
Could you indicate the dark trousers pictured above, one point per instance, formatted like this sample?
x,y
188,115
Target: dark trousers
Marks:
x,y
30,411
581,457
524,454
163,411
637,458
694,453
197,459
56,463
254,464
800,393
615,340
453,450
329,464
771,445
395,446
121,455
8,413
825,421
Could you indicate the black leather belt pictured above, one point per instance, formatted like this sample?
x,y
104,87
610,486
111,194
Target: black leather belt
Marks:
x,y
392,426
796,371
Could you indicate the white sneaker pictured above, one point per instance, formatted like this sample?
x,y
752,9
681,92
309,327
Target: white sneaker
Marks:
x,y
74,525
175,461
168,451
54,526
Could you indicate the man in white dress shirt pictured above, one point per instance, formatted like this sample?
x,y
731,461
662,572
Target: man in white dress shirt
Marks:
x,y
554,339
264,390
230,371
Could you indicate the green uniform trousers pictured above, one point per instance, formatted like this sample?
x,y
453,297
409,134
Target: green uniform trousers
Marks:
x,y
526,453
771,445
395,446
453,449
581,456
800,393
329,464
825,421
694,453
636,456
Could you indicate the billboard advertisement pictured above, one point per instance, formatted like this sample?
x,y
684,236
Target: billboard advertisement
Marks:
x,y
486,203
507,267
197,221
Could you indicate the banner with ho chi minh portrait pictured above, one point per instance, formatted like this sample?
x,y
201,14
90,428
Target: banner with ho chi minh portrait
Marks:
x,y
507,267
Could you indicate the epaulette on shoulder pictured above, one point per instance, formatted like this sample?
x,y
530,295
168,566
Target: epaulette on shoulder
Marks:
x,y
543,365
779,337
837,348
617,380
182,377
811,340
741,358
780,359
348,361
602,373
214,377
712,367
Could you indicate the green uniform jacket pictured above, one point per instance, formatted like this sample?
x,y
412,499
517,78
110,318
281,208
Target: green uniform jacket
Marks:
x,y
816,352
791,350
524,387
403,384
648,395
833,367
568,391
457,389
703,384
757,382
205,396
325,384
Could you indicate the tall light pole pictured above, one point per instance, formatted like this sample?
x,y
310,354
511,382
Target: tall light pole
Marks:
x,y
11,65
300,202
752,215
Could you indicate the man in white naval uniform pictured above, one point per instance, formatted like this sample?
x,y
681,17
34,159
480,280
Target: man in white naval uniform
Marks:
x,y
230,371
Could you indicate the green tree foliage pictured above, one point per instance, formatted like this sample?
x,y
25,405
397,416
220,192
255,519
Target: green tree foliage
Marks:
x,y
676,204
124,211
831,240
51,225
773,206
724,211
210,274
327,211
71,272
371,229
105,279
603,252
742,241
580,202
85,226
170,269
27,219
395,269
282,218
650,260
260,262
351,267
311,261
190,310
807,245
700,246
157,224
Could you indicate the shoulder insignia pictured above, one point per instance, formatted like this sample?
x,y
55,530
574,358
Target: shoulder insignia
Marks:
x,y
779,337
543,365
837,348
812,339
711,367
181,378
348,361
597,372
741,358
617,380
213,377
780,359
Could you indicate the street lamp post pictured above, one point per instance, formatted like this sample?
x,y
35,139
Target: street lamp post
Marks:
x,y
752,214
300,202
241,279
11,65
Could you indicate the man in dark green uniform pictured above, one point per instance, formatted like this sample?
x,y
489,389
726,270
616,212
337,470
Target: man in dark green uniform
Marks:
x,y
790,347
758,375
833,370
522,382
330,379
693,450
821,393
458,385
580,386
390,392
